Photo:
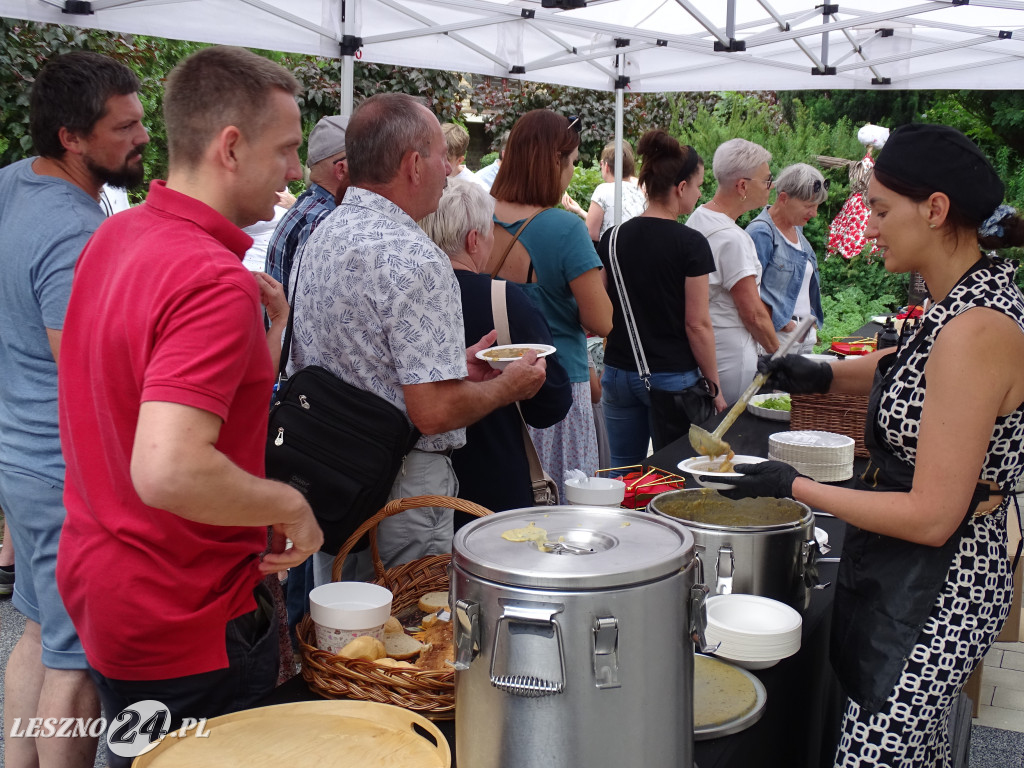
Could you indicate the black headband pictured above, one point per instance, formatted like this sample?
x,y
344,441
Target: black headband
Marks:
x,y
941,159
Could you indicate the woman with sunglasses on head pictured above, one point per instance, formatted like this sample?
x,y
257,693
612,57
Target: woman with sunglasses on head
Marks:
x,y
924,581
548,250
741,321
664,267
790,284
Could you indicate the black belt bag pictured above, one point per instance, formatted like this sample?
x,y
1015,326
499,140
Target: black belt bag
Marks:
x,y
341,446
673,411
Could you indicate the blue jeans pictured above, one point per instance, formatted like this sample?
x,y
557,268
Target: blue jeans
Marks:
x,y
627,410
296,595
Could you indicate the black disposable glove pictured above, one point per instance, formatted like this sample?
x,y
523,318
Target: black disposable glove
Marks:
x,y
767,478
796,374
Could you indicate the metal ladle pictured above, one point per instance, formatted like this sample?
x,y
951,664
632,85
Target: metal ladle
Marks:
x,y
711,444
563,547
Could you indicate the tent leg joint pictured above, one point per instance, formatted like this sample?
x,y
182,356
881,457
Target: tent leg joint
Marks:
x,y
350,44
734,46
77,7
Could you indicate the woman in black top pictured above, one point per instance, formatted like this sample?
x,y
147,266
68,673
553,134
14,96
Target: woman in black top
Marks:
x,y
665,267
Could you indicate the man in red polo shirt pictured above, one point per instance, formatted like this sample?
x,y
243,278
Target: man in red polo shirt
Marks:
x,y
166,375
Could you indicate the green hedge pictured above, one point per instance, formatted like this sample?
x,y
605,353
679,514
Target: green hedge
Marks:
x,y
854,290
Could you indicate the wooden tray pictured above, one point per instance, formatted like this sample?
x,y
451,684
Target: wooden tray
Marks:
x,y
324,734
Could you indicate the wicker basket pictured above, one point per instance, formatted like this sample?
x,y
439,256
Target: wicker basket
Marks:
x,y
429,692
843,414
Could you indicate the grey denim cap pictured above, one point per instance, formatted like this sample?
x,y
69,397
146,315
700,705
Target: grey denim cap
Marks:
x,y
327,138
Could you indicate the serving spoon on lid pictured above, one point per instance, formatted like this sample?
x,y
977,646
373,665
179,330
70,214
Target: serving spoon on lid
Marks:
x,y
711,444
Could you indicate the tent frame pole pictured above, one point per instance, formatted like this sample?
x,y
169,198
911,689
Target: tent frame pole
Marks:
x,y
347,84
620,84
349,47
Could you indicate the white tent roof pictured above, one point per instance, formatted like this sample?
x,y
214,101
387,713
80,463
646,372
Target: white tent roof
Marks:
x,y
669,45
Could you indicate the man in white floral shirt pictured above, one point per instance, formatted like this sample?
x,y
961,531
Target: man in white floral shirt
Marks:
x,y
377,303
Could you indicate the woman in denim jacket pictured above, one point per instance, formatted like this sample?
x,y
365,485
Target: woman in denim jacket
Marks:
x,y
790,284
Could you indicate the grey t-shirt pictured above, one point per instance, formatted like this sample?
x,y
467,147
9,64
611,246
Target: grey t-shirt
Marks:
x,y
44,224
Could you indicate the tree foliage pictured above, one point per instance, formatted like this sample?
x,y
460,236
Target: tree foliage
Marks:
x,y
991,118
888,108
444,92
26,47
503,101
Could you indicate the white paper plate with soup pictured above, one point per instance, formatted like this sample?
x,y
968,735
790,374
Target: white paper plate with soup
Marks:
x,y
709,472
502,355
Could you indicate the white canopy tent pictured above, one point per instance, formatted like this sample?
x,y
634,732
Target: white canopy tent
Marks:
x,y
669,45
641,45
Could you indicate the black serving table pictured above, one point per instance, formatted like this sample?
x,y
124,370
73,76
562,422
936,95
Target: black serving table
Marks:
x,y
800,725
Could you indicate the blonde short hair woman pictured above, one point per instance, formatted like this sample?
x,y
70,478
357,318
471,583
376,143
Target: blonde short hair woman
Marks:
x,y
743,326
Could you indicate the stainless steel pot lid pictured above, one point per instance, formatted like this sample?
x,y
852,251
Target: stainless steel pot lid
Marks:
x,y
726,699
580,547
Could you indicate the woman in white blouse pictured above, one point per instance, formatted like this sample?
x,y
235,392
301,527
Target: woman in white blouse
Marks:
x,y
601,215
739,317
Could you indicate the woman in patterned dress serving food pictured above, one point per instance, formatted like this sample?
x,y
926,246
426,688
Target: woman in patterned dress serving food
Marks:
x,y
924,582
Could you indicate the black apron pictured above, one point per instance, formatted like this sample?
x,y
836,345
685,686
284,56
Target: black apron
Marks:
x,y
886,587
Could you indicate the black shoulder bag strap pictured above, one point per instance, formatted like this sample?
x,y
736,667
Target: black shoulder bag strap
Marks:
x,y
286,343
627,312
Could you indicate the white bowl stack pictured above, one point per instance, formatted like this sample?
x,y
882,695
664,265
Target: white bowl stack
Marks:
x,y
822,456
754,632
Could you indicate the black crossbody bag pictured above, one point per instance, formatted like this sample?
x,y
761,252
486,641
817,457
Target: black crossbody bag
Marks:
x,y
340,445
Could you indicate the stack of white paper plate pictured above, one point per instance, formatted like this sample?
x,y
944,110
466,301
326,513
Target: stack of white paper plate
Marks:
x,y
753,631
823,456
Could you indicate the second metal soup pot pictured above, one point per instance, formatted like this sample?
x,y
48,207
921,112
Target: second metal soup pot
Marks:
x,y
756,546
577,651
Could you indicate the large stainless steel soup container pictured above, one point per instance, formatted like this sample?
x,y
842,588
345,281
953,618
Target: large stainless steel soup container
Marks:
x,y
578,653
748,546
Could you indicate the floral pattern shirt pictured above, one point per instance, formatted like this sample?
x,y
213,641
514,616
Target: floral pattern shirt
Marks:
x,y
846,233
377,304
